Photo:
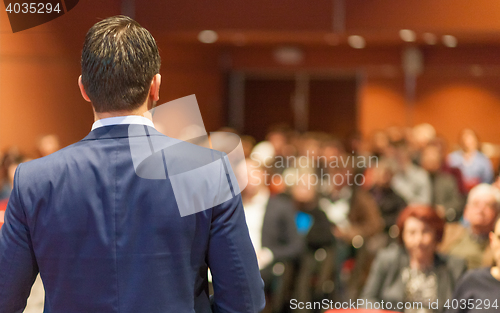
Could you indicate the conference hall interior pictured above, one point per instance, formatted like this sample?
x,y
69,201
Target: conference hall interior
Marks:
x,y
367,131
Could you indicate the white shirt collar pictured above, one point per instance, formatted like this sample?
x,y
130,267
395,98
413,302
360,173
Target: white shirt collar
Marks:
x,y
116,120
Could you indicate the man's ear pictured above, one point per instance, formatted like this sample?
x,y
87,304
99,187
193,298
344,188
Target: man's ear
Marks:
x,y
154,90
82,89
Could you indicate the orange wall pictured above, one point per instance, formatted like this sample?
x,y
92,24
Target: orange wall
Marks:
x,y
39,69
382,104
448,103
453,103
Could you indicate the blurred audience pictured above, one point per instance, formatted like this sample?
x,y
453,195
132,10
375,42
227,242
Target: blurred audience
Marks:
x,y
445,196
271,224
480,287
270,219
410,181
413,271
422,135
469,240
316,274
389,203
475,166
357,219
11,159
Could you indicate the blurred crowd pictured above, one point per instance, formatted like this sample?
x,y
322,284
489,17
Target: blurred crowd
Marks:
x,y
396,217
12,157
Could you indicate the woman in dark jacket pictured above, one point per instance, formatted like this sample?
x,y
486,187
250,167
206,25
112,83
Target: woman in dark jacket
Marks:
x,y
412,277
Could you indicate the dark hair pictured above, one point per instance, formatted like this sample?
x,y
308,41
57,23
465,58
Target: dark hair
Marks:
x,y
425,214
119,60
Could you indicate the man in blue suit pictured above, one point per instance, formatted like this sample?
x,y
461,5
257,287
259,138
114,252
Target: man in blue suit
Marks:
x,y
105,239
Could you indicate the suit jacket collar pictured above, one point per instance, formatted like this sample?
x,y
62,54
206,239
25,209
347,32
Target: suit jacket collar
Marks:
x,y
121,131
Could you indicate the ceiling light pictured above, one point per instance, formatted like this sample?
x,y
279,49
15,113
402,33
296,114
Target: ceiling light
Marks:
x,y
449,41
208,36
288,55
357,42
407,35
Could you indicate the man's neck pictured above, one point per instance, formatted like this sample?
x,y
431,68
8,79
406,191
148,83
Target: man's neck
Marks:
x,y
140,111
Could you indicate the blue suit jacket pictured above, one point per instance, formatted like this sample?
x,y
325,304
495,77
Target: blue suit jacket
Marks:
x,y
106,240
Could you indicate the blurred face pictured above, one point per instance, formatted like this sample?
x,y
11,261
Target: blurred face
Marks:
x,y
395,134
330,151
481,212
382,176
48,145
380,141
419,239
340,177
278,140
255,174
495,243
431,159
310,147
303,192
469,140
402,157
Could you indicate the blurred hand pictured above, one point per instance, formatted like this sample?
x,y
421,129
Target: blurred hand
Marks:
x,y
345,234
264,257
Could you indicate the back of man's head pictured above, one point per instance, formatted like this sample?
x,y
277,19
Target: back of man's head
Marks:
x,y
119,60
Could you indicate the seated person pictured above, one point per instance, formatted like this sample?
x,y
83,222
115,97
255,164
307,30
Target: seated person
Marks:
x,y
390,203
410,181
317,265
469,240
358,224
445,195
303,183
272,229
475,166
270,219
413,271
480,287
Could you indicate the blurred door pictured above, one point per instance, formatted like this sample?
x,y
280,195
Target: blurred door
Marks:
x,y
332,105
303,102
267,101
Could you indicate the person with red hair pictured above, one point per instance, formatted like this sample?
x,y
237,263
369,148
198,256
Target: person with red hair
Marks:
x,y
412,271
